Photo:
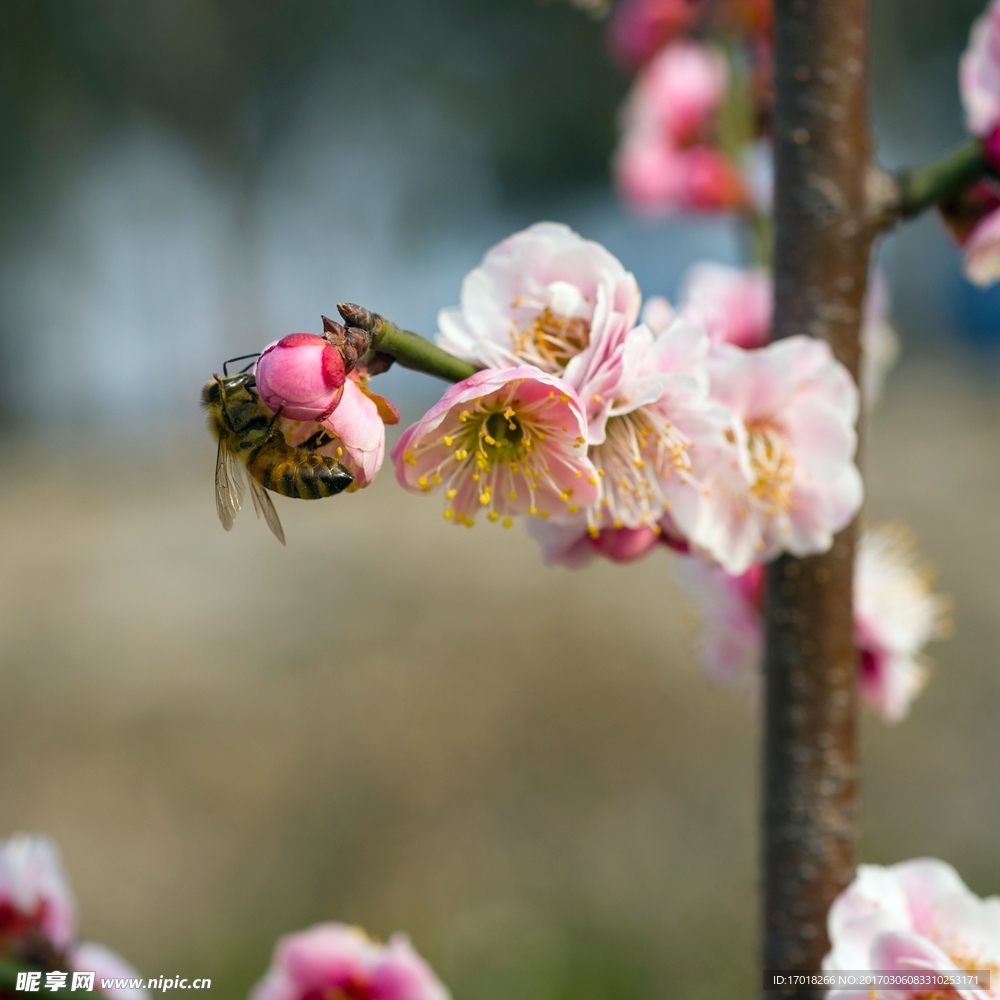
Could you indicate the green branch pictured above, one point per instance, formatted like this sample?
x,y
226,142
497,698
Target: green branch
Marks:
x,y
409,349
940,180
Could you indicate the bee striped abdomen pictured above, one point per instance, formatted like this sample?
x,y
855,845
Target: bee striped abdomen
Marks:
x,y
298,472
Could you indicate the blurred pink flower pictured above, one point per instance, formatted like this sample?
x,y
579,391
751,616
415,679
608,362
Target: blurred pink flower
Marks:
x,y
507,442
301,374
664,163
911,917
979,74
732,631
342,963
106,964
982,251
732,305
678,92
895,616
655,176
638,28
35,898
354,433
569,543
549,298
790,482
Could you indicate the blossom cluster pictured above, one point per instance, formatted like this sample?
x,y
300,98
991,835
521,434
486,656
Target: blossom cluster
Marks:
x,y
617,432
696,122
38,918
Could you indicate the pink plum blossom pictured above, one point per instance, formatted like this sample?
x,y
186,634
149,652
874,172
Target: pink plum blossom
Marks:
x,y
549,298
106,964
506,442
895,616
655,176
354,433
664,162
732,305
302,375
982,251
662,429
736,306
343,963
791,482
910,917
979,74
35,898
638,28
679,91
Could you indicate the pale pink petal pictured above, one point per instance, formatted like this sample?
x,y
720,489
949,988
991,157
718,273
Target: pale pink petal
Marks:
x,y
979,73
106,964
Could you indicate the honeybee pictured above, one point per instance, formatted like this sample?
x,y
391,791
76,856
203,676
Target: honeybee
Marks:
x,y
249,435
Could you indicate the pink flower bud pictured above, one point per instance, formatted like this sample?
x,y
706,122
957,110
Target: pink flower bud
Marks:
x,y
302,375
681,88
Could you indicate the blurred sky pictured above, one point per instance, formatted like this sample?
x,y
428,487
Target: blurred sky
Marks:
x,y
184,181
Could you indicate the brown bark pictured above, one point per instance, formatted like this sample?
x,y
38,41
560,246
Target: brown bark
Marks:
x,y
822,242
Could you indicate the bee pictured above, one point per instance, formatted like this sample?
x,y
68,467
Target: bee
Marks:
x,y
249,435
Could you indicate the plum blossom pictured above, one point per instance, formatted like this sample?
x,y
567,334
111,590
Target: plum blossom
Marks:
x,y
336,961
506,442
38,916
895,616
664,162
662,429
790,483
303,375
680,90
638,28
914,916
733,305
979,74
549,298
35,898
736,305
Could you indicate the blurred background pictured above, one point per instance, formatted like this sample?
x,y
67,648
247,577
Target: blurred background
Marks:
x,y
392,723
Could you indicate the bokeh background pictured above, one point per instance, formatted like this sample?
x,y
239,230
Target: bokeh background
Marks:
x,y
392,722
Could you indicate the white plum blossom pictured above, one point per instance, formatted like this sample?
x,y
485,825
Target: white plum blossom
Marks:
x,y
895,615
910,917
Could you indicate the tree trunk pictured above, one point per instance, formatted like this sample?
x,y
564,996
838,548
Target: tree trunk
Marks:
x,y
822,243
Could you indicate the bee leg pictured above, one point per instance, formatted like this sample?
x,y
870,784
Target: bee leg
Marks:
x,y
317,440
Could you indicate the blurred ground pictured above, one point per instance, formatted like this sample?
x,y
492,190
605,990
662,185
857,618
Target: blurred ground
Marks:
x,y
408,726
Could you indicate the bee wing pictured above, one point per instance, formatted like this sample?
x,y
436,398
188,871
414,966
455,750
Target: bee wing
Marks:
x,y
228,486
262,504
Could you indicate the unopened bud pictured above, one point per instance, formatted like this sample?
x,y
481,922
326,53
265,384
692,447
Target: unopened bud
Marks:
x,y
303,375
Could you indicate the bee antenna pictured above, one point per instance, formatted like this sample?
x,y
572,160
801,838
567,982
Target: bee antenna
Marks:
x,y
242,357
